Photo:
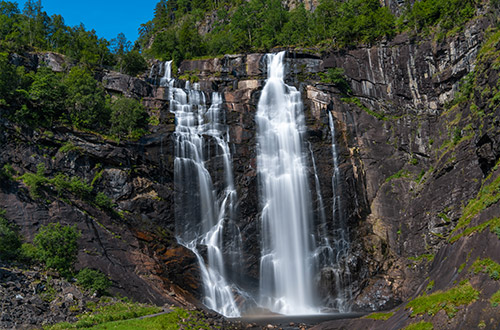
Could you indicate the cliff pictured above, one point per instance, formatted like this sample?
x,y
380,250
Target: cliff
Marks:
x,y
419,144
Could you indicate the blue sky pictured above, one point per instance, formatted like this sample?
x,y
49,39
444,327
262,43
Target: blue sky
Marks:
x,y
106,17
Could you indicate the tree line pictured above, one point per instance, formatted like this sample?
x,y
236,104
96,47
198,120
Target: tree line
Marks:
x,y
236,26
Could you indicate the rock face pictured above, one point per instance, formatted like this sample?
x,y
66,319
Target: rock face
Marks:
x,y
409,163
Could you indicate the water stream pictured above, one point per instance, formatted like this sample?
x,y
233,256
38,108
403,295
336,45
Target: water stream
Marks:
x,y
286,276
203,212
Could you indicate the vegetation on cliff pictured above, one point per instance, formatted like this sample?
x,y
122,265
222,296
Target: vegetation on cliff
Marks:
x,y
186,29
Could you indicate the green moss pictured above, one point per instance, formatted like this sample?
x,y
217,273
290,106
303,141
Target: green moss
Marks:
x,y
356,101
380,316
487,196
461,267
448,301
493,224
67,147
486,266
495,299
422,325
430,286
400,174
429,257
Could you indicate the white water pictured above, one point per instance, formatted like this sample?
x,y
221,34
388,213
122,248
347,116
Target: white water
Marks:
x,y
339,267
204,213
286,277
167,75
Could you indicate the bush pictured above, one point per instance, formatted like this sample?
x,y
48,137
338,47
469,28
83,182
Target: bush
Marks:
x,y
103,201
35,181
57,247
94,280
9,239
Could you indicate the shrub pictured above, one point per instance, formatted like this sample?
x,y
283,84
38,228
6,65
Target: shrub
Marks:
x,y
103,201
94,280
57,247
35,181
336,77
9,239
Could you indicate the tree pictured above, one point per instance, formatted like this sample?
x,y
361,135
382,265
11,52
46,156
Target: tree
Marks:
x,y
133,63
10,242
86,101
128,117
120,45
57,246
46,95
7,77
296,30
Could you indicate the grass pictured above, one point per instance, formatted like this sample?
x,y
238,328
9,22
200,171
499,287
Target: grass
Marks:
x,y
102,314
448,301
380,316
400,174
429,257
422,325
486,266
356,101
127,315
495,299
494,225
487,196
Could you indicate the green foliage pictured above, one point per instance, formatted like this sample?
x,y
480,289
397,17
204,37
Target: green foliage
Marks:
x,y
448,301
49,292
7,172
103,201
356,101
447,14
93,280
67,147
35,181
402,173
495,299
380,316
487,196
86,101
336,77
486,266
10,242
422,325
57,247
133,63
105,313
430,286
46,96
493,224
128,117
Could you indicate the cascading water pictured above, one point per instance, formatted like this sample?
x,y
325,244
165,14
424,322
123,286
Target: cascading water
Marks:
x,y
202,212
286,277
167,75
337,264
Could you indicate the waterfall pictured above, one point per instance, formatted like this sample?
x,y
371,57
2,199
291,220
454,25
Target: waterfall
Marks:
x,y
286,274
204,213
338,267
167,75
